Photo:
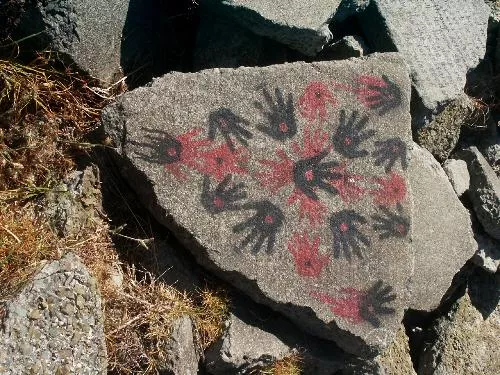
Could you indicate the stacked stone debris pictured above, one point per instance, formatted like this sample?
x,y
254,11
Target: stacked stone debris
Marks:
x,y
282,158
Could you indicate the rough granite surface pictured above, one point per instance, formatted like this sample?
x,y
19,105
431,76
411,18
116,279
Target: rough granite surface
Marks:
x,y
87,32
441,136
484,191
289,181
302,25
182,357
55,325
396,360
443,240
466,339
244,348
440,40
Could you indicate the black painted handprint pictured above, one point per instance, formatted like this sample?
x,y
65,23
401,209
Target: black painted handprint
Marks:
x,y
389,151
380,94
263,225
224,197
311,173
350,134
346,236
391,224
372,303
280,116
228,124
165,149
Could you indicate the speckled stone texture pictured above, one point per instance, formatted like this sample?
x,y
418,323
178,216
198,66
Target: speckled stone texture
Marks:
x,y
302,25
442,236
440,40
466,340
484,191
87,32
458,174
55,325
288,181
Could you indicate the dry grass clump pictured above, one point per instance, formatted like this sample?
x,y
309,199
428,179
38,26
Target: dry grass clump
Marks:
x,y
25,242
139,318
291,365
44,115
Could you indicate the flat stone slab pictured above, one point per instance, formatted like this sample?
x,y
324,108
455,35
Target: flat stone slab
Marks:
x,y
440,40
289,181
443,240
302,25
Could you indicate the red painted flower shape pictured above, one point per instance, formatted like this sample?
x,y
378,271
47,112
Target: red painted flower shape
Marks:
x,y
347,306
280,173
392,190
347,185
313,103
313,143
221,161
313,210
185,150
307,260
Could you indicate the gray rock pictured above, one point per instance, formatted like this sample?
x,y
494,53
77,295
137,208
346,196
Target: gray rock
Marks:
x,y
348,46
87,33
244,348
484,191
75,204
221,43
188,181
466,339
184,177
349,8
458,174
396,360
492,155
440,40
43,329
276,337
440,137
182,356
301,25
487,255
442,236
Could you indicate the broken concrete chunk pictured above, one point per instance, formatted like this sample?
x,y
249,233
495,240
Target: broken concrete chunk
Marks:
x,y
296,170
56,322
458,174
87,33
484,191
442,236
301,25
440,40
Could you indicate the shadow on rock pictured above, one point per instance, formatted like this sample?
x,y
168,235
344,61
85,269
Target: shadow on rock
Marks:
x,y
158,37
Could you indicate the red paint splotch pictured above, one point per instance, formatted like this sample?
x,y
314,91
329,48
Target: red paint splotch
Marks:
x,y
392,190
222,161
348,185
367,91
313,143
314,101
279,174
192,150
312,210
308,261
347,305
